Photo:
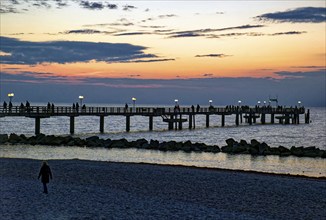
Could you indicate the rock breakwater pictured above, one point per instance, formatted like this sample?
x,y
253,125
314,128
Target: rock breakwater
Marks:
x,y
253,147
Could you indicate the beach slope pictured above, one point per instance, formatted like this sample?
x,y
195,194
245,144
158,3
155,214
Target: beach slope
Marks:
x,y
105,190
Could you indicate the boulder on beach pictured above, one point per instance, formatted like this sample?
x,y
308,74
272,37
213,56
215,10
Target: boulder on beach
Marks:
x,y
284,151
14,138
230,142
3,138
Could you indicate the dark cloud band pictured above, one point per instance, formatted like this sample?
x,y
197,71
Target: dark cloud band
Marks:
x,y
298,15
26,52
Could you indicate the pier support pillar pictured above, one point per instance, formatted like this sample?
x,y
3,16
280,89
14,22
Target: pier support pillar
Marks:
x,y
223,120
151,123
287,119
250,118
102,124
72,124
180,122
128,123
37,125
298,119
307,117
241,118
171,123
207,121
272,118
254,119
190,121
263,118
237,119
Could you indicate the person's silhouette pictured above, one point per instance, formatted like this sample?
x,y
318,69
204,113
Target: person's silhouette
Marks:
x,y
46,174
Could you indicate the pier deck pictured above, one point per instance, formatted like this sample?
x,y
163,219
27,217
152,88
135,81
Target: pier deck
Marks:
x,y
175,117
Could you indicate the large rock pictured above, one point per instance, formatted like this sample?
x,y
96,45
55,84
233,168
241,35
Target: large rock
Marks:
x,y
239,148
154,144
243,142
263,149
254,143
230,142
213,149
122,143
227,149
311,152
14,138
297,151
140,143
3,138
284,151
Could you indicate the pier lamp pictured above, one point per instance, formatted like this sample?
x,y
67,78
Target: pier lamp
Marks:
x,y
258,103
176,101
11,96
239,102
81,100
299,103
210,102
264,103
133,101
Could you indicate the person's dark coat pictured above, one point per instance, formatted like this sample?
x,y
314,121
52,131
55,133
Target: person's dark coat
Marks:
x,y
46,173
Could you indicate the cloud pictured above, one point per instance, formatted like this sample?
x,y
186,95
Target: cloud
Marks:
x,y
289,33
151,60
247,26
112,6
218,55
208,75
309,67
128,7
254,34
298,15
87,31
7,9
92,5
41,4
187,34
167,16
27,52
291,75
132,33
159,17
209,31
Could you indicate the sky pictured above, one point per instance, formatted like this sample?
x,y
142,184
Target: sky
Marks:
x,y
159,51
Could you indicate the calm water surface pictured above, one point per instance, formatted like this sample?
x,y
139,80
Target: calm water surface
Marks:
x,y
313,134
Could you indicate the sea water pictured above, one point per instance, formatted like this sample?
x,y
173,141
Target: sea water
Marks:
x,y
312,134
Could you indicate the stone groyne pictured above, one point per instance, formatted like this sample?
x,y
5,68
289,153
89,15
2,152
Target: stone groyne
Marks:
x,y
253,147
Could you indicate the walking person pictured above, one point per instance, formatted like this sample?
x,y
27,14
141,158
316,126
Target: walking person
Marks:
x,y
46,174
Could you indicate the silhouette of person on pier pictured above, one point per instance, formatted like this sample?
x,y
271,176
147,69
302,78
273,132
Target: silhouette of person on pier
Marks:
x,y
10,106
45,174
198,108
126,107
5,106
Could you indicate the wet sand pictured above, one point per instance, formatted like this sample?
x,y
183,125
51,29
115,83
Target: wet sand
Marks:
x,y
105,190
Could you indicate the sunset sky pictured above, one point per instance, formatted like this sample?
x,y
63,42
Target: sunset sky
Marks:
x,y
110,51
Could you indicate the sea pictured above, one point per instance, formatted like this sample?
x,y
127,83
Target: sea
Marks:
x,y
312,134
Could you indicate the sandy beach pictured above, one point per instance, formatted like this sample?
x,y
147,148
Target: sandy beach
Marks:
x,y
105,190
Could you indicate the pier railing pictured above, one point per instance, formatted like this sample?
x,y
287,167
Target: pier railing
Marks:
x,y
44,111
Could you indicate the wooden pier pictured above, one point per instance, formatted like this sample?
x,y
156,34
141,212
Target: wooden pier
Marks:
x,y
174,117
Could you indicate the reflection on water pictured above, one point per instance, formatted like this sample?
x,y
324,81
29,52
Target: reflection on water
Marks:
x,y
271,164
